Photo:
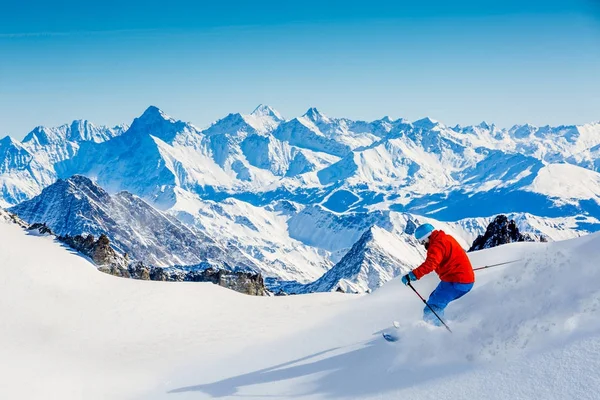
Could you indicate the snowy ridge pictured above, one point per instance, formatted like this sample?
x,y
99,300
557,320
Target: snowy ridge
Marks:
x,y
567,182
27,167
260,232
79,207
376,258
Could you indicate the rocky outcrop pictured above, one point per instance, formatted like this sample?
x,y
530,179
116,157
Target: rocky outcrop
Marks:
x,y
411,227
10,217
500,231
41,228
241,281
111,262
98,250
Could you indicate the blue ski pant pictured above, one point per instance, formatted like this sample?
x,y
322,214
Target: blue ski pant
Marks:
x,y
443,294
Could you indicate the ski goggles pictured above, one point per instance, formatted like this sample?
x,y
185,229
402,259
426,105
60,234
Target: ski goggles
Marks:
x,y
424,241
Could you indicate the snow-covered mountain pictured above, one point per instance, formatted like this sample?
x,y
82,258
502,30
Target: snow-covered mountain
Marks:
x,y
295,195
29,166
79,207
22,176
262,233
376,258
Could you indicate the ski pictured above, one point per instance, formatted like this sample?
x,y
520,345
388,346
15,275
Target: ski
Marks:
x,y
391,334
389,337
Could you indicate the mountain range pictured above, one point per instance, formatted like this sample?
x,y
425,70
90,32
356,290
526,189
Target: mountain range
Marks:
x,y
290,198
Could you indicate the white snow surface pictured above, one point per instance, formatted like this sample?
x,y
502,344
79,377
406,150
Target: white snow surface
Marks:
x,y
260,232
567,181
528,330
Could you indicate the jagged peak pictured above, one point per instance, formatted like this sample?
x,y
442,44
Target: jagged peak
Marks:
x,y
523,126
154,113
80,179
485,125
232,117
79,184
367,236
40,134
77,131
426,123
266,111
81,123
315,115
158,124
522,131
232,123
8,141
501,230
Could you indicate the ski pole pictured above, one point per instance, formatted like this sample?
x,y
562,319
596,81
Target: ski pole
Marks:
x,y
427,304
495,265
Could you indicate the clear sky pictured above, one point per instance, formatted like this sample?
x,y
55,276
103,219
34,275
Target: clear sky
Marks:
x,y
461,61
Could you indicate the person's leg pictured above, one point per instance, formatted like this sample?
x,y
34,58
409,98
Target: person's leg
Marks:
x,y
439,299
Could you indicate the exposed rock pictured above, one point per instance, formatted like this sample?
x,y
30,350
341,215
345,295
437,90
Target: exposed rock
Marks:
x,y
500,231
241,281
10,217
111,262
115,270
410,227
98,250
41,228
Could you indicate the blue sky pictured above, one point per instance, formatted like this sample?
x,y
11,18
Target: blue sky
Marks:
x,y
457,62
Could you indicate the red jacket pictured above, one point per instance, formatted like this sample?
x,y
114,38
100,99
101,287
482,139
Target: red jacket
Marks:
x,y
447,259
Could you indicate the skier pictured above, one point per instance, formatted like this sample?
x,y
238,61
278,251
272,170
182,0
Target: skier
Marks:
x,y
449,260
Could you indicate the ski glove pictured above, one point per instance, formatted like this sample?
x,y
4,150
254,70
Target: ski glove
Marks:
x,y
409,278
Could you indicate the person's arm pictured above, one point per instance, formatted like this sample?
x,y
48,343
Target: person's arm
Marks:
x,y
435,256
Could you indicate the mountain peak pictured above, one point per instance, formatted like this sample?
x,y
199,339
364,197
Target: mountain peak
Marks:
x,y
83,184
39,135
266,111
156,123
8,141
81,180
315,115
154,113
522,131
500,231
376,257
426,123
485,125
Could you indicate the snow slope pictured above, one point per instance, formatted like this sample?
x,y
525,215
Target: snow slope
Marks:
x,y
260,232
528,330
566,182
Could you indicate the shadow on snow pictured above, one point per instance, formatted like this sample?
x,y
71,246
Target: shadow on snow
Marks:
x,y
369,370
